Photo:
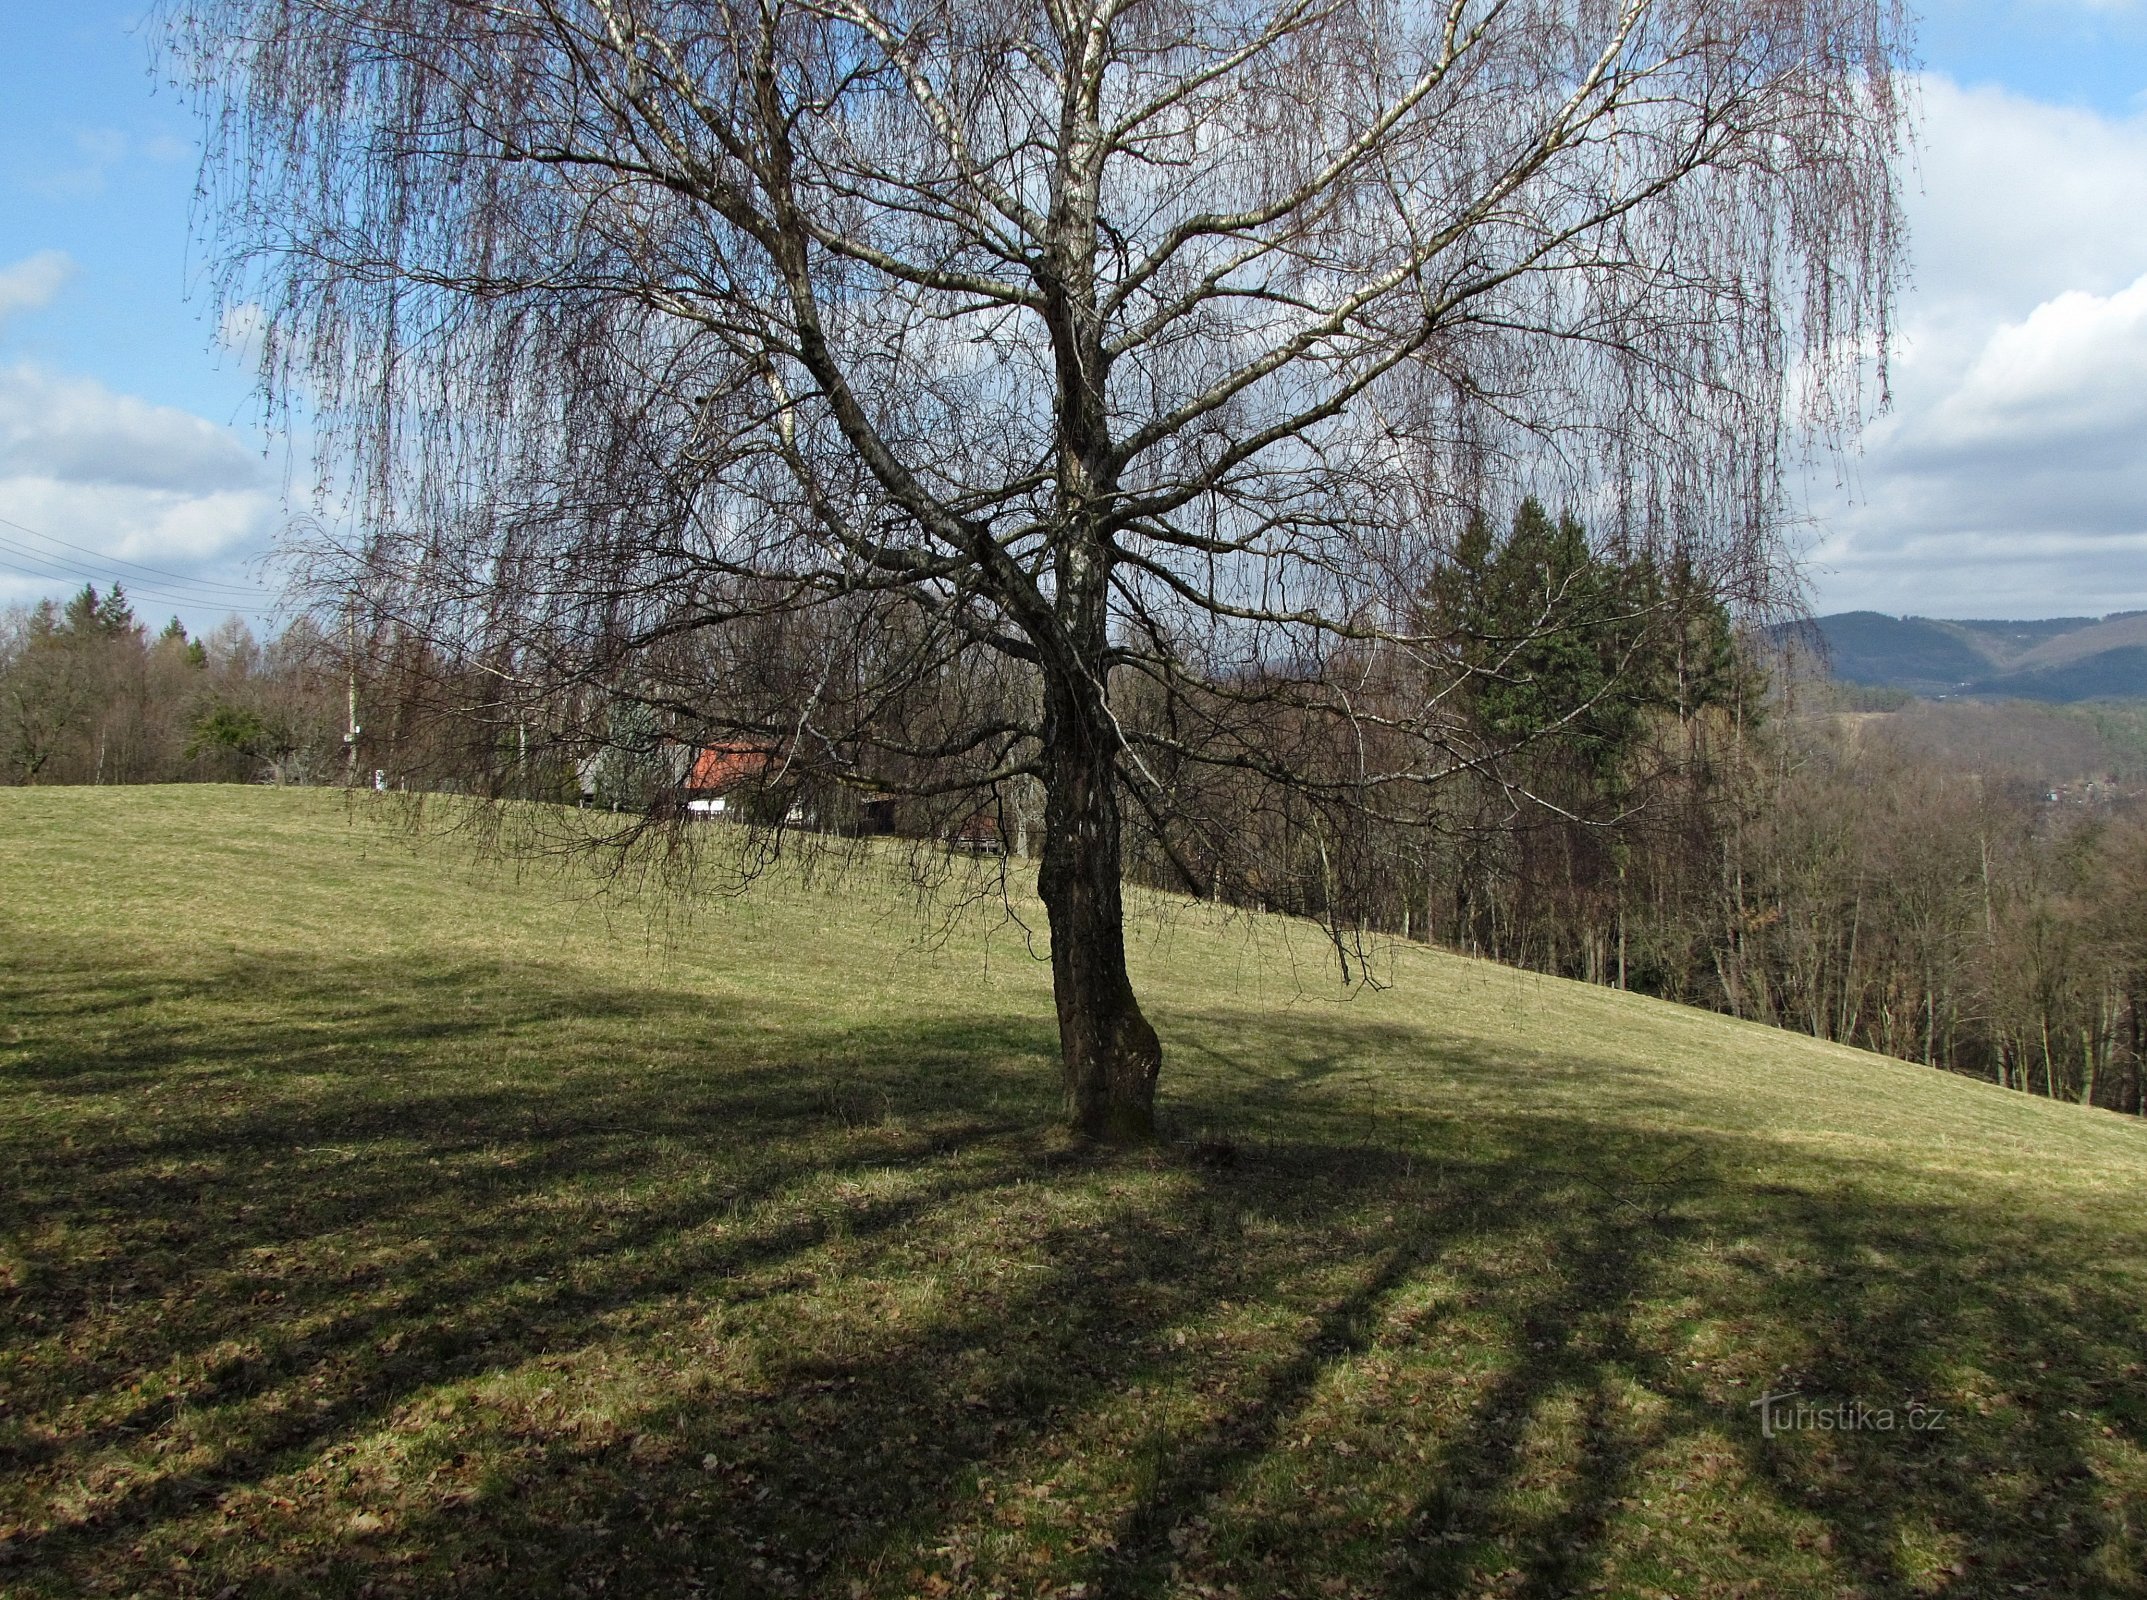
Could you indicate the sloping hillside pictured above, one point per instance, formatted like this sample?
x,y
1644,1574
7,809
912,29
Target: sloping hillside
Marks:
x,y
2114,674
2066,647
378,1222
1900,652
2062,659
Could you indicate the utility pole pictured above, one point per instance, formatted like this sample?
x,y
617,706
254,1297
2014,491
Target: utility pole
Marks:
x,y
350,736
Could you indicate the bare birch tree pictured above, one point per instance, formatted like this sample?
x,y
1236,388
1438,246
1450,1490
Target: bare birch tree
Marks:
x,y
1005,365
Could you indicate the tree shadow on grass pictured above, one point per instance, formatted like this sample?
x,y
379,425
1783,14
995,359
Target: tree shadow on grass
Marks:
x,y
498,1283
1612,1445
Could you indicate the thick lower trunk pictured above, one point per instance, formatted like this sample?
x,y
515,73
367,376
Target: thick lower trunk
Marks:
x,y
1111,1055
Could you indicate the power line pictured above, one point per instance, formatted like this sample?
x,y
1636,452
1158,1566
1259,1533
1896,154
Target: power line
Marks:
x,y
164,587
30,564
65,570
148,596
53,570
66,567
117,561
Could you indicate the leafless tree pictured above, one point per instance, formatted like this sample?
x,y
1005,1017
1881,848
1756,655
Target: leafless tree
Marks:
x,y
1014,362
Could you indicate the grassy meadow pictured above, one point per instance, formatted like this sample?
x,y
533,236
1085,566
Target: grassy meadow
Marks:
x,y
378,1221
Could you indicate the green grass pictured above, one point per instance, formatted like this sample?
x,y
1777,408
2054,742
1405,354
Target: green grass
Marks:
x,y
379,1222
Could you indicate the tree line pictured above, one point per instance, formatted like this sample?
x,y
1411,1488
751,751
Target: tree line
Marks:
x,y
1644,795
1834,873
89,695
1690,810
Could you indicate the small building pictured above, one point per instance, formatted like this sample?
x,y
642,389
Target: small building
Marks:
x,y
720,772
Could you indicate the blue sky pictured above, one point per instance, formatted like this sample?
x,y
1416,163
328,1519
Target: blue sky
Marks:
x,y
125,426
2069,52
2009,480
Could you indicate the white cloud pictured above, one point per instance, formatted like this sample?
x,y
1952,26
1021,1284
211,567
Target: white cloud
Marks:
x,y
75,430
134,481
2071,374
2019,200
158,527
33,281
2011,476
85,170
111,473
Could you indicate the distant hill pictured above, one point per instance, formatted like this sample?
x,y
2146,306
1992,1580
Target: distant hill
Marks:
x,y
2058,659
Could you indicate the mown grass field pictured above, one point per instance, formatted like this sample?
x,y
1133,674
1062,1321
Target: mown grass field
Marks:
x,y
375,1221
